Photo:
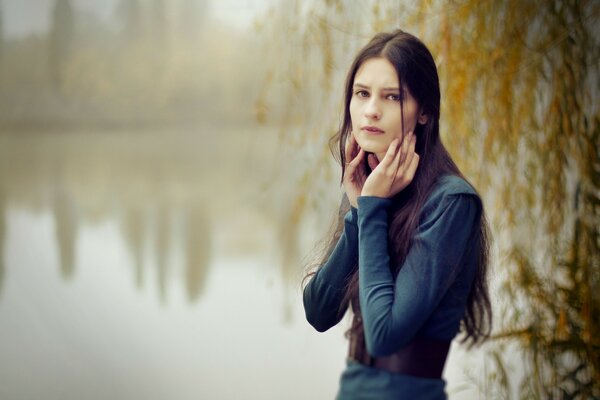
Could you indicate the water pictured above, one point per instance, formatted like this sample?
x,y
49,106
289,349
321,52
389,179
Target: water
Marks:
x,y
146,265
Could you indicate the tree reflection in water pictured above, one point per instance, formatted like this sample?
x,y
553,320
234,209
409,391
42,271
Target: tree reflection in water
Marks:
x,y
151,191
65,220
197,249
2,237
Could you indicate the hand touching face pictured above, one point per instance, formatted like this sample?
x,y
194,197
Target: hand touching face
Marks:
x,y
396,171
388,177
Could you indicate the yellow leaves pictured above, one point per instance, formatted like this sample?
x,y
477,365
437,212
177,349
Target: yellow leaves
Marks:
x,y
297,210
327,52
588,323
380,20
496,54
508,63
562,331
376,9
511,88
261,111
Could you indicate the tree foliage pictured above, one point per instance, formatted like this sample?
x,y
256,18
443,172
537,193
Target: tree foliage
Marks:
x,y
520,115
129,14
61,39
535,101
1,38
153,62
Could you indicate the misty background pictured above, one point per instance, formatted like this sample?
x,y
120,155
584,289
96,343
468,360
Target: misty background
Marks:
x,y
165,179
138,256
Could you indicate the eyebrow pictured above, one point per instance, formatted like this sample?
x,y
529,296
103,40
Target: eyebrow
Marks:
x,y
360,85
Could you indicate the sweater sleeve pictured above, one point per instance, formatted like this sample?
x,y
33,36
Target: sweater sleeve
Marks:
x,y
323,295
394,311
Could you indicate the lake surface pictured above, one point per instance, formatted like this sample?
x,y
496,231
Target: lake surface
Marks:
x,y
149,265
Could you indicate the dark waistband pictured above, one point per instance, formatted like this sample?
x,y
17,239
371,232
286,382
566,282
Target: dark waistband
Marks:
x,y
423,357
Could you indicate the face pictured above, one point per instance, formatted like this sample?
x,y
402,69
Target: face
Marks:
x,y
375,107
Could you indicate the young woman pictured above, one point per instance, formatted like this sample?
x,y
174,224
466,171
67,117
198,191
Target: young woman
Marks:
x,y
410,252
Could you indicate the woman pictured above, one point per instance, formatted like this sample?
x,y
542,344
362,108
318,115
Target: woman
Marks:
x,y
410,252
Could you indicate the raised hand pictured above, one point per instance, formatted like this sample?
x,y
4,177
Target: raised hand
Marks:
x,y
355,173
395,171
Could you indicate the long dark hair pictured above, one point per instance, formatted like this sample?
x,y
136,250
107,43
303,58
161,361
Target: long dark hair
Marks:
x,y
416,69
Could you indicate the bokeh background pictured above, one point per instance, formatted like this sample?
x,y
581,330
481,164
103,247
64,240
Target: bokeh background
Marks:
x,y
165,178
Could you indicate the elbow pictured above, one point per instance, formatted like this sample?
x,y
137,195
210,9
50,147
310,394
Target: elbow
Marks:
x,y
313,316
316,320
318,325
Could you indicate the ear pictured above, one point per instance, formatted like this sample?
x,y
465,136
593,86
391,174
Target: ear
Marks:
x,y
422,118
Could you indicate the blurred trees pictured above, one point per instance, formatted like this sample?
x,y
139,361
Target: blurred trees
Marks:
x,y
193,19
521,117
129,14
60,40
153,62
158,22
529,113
1,41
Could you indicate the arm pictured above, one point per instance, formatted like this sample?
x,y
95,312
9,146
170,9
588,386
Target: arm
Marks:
x,y
323,294
393,312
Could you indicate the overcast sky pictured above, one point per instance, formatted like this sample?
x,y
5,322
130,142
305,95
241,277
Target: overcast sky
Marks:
x,y
22,17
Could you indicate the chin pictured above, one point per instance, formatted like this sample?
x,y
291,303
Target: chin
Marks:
x,y
370,147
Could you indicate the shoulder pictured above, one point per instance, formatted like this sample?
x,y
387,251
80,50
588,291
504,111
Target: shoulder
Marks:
x,y
450,191
452,184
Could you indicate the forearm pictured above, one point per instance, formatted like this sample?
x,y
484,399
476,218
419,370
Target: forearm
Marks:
x,y
324,293
376,283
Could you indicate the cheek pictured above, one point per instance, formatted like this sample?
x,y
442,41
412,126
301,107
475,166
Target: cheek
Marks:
x,y
352,110
410,112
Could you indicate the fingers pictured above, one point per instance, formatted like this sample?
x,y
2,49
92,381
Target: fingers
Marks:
x,y
408,151
351,148
400,160
356,161
396,170
388,159
406,171
412,167
353,152
411,150
373,162
396,155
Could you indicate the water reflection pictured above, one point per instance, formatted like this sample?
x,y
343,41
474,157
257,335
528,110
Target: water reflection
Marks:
x,y
288,236
154,189
2,237
65,222
163,189
197,248
133,226
162,245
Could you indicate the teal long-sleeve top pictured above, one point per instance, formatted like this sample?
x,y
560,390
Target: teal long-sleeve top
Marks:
x,y
427,298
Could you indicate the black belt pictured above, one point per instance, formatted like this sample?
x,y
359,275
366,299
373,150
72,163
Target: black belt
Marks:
x,y
423,357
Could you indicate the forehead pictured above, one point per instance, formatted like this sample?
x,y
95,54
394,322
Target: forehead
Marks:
x,y
376,72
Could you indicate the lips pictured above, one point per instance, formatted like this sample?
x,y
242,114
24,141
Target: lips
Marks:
x,y
372,130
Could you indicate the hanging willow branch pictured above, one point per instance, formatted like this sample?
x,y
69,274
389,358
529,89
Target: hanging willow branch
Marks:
x,y
521,116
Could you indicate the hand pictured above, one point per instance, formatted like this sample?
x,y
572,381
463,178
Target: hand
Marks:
x,y
395,171
355,173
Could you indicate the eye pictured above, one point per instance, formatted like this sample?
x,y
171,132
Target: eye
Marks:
x,y
361,93
394,97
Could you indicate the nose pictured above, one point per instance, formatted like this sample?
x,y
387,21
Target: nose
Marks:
x,y
372,109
